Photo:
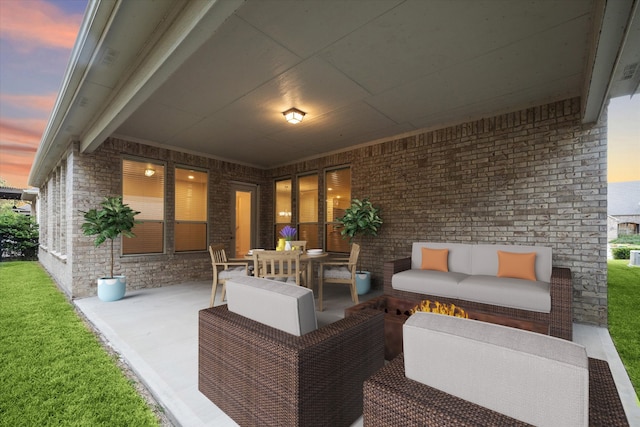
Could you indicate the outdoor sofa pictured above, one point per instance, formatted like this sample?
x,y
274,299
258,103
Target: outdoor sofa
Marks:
x,y
488,278
264,361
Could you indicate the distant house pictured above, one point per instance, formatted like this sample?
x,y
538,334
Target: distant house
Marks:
x,y
623,209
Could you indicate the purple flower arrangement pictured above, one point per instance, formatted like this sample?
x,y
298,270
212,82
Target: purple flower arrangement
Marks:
x,y
288,232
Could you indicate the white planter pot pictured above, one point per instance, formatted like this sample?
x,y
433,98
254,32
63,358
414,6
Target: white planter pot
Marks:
x,y
363,282
111,288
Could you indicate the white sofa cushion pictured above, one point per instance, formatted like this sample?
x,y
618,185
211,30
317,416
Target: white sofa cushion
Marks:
x,y
283,306
459,255
485,259
531,377
428,282
232,272
506,292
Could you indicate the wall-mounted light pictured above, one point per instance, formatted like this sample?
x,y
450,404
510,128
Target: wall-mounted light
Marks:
x,y
149,172
293,115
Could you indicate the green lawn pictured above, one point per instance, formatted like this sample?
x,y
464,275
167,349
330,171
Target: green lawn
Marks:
x,y
624,317
53,369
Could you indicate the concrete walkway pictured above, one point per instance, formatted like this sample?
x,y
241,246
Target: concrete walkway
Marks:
x,y
156,332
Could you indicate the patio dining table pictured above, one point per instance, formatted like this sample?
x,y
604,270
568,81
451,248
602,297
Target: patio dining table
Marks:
x,y
306,258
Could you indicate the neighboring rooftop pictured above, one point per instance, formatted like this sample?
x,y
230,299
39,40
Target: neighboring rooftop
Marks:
x,y
10,193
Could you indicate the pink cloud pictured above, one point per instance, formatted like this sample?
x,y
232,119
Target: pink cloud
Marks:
x,y
16,170
42,103
21,131
19,140
36,23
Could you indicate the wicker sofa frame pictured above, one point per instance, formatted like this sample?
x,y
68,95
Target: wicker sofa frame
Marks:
x,y
559,320
262,376
391,399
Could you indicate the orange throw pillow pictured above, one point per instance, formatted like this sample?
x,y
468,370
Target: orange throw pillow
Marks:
x,y
517,265
435,259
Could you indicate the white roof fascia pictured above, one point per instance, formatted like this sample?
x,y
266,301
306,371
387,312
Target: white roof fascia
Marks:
x,y
196,24
611,32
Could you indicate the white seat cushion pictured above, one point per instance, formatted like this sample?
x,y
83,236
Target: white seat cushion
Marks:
x,y
337,273
283,306
428,282
535,378
232,272
507,292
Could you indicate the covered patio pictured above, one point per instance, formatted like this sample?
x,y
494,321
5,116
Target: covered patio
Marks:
x,y
155,332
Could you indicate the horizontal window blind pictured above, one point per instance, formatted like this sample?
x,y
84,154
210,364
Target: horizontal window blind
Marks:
x,y
191,210
143,190
338,199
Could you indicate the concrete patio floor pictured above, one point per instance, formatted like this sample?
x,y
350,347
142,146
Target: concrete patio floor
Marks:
x,y
155,331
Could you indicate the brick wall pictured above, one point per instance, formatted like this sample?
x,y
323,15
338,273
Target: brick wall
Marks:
x,y
99,174
535,177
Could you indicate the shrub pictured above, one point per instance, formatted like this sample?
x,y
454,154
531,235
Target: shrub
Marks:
x,y
627,239
624,252
18,235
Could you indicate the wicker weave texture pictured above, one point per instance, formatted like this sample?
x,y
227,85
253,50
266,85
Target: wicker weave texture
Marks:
x,y
259,375
391,399
560,319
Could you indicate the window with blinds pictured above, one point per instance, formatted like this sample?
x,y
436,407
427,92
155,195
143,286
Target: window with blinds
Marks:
x,y
143,191
338,191
191,210
282,204
308,228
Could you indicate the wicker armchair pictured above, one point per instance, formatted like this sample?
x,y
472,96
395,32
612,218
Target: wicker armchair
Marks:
x,y
259,375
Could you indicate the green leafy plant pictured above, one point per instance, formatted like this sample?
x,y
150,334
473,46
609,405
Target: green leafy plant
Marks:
x,y
18,235
623,252
361,218
114,219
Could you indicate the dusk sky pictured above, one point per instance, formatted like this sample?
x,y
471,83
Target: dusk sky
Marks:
x,y
36,38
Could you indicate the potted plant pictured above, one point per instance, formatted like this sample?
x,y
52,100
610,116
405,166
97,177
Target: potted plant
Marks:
x,y
361,218
109,222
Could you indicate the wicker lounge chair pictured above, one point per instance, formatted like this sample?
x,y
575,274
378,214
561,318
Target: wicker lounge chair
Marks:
x,y
391,399
259,375
462,372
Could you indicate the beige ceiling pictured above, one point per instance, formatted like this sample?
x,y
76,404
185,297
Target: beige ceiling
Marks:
x,y
213,78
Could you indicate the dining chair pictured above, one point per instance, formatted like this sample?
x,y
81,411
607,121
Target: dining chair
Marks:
x,y
223,269
278,265
300,245
339,270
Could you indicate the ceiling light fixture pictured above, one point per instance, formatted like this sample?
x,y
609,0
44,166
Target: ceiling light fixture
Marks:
x,y
149,172
293,115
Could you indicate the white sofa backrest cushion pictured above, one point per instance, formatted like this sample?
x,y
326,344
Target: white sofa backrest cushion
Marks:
x,y
484,259
283,306
535,378
459,255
